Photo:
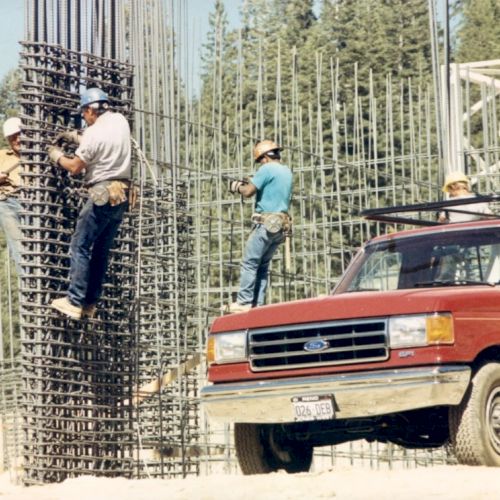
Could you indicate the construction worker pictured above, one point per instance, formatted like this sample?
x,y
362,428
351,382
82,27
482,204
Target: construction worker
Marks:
x,y
104,152
272,185
457,185
10,182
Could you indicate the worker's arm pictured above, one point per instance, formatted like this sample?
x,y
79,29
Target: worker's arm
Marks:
x,y
247,190
73,165
243,187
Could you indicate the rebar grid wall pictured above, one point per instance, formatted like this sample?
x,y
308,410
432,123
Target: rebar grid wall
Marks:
x,y
77,374
147,418
10,369
165,397
328,195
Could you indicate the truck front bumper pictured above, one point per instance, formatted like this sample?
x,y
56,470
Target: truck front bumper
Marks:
x,y
361,394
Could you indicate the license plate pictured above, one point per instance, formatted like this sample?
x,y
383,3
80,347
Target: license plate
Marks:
x,y
306,408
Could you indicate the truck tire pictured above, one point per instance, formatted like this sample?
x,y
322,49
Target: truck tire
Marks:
x,y
260,451
475,422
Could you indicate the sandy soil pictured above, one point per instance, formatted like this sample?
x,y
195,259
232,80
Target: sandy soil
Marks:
x,y
440,482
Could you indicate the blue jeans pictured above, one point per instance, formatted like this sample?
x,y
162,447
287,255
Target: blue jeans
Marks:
x,y
95,232
259,251
10,222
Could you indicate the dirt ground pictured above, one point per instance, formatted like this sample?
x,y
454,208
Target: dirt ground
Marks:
x,y
439,482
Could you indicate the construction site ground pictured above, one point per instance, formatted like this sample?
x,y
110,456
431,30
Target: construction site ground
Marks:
x,y
439,482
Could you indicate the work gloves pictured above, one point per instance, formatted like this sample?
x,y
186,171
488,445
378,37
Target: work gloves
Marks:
x,y
54,153
234,185
70,136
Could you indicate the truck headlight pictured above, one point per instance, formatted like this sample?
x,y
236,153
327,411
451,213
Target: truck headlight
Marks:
x,y
421,330
227,347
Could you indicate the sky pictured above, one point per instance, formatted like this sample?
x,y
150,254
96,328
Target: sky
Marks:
x,y
11,32
12,27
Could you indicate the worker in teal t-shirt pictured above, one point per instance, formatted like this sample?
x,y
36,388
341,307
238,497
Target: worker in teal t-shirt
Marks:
x,y
272,185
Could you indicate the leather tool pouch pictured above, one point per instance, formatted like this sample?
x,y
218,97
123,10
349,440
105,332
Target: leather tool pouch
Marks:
x,y
273,223
112,192
99,193
117,193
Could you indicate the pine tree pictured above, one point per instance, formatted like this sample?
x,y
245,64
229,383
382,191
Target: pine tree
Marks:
x,y
9,93
479,31
219,71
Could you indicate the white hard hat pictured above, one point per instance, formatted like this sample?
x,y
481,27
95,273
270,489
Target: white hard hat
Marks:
x,y
11,126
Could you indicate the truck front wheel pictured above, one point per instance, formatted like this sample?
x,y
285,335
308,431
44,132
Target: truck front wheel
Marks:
x,y
475,423
265,448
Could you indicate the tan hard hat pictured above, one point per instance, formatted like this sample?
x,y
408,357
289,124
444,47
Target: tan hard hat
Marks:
x,y
453,177
263,147
11,126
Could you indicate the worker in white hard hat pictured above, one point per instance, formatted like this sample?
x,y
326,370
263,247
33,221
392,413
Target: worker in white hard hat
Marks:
x,y
10,183
457,185
272,187
103,154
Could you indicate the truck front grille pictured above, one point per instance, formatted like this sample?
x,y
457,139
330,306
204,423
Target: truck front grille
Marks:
x,y
318,344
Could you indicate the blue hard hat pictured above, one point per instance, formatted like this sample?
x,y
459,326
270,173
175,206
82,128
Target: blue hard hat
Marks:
x,y
91,95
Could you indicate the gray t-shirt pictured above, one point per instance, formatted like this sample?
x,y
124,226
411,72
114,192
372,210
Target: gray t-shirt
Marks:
x,y
105,148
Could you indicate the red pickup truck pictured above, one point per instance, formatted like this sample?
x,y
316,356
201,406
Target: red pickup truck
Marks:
x,y
406,350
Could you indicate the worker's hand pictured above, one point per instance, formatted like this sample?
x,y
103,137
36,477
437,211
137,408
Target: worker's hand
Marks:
x,y
55,153
234,186
3,177
71,136
133,194
442,217
117,194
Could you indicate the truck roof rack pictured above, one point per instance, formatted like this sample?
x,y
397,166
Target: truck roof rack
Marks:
x,y
423,214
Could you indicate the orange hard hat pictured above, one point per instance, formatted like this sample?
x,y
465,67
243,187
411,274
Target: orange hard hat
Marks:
x,y
263,147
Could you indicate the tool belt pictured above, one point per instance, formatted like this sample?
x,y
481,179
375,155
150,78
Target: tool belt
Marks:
x,y
274,222
113,192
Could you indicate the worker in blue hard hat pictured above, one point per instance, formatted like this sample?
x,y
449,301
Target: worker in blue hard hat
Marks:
x,y
10,184
103,154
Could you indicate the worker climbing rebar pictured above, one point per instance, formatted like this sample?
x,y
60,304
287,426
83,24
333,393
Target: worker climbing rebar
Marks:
x,y
272,185
104,151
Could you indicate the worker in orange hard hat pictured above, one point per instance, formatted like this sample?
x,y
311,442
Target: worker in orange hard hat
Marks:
x,y
272,187
457,185
10,183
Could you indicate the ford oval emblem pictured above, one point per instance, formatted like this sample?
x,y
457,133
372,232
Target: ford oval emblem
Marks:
x,y
316,345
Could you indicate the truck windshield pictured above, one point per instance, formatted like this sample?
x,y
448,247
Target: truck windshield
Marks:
x,y
438,259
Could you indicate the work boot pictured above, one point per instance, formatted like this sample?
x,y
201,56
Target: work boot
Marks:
x,y
89,311
64,306
235,307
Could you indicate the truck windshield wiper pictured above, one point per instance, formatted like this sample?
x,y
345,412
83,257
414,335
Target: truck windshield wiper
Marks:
x,y
363,290
453,283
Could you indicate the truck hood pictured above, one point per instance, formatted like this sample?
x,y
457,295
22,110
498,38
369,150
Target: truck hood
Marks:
x,y
463,299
